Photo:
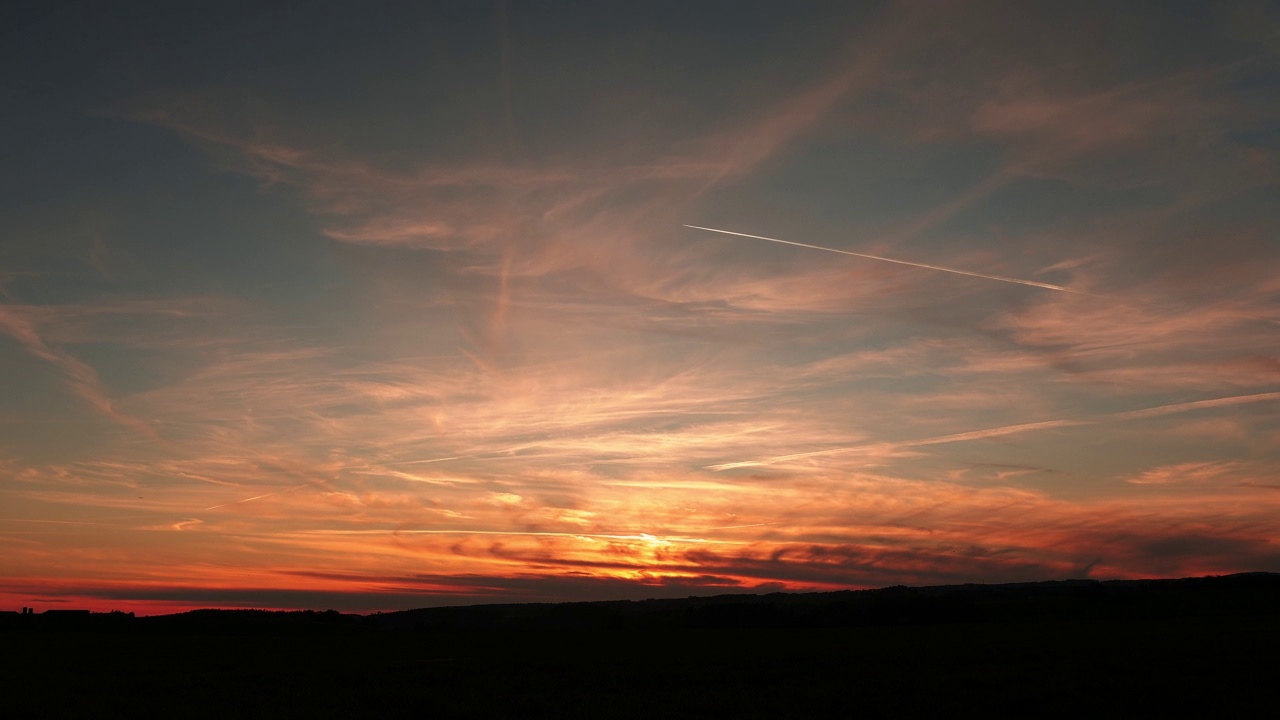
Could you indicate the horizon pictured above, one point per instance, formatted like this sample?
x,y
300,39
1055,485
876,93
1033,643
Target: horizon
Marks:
x,y
646,599
375,307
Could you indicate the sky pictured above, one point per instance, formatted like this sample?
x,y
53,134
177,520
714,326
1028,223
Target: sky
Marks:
x,y
372,306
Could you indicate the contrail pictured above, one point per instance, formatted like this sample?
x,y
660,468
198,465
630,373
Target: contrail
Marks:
x,y
432,460
1194,405
735,527
1001,278
255,497
1011,429
893,445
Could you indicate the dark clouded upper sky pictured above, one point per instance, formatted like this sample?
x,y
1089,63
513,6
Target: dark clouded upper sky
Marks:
x,y
383,305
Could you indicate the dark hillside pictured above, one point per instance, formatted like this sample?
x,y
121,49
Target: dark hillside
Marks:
x,y
1199,646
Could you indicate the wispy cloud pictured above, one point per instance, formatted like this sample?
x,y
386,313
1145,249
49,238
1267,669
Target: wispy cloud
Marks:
x,y
81,379
986,433
443,313
1192,472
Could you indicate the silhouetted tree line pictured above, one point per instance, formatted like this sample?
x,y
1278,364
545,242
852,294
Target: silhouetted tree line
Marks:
x,y
1250,593
894,606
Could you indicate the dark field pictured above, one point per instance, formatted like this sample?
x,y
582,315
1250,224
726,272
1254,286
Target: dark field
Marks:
x,y
1191,651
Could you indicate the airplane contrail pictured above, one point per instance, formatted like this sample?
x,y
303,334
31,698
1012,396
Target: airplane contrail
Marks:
x,y
255,497
1001,278
1194,405
1144,413
735,527
432,460
893,445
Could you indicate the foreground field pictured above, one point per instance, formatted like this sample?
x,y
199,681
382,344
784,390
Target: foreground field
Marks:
x,y
1202,646
1212,666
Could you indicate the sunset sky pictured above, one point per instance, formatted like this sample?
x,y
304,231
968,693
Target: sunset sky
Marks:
x,y
373,306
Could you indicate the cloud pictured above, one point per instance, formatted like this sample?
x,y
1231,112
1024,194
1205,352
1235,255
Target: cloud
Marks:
x,y
1124,330
891,447
1191,472
20,323
497,353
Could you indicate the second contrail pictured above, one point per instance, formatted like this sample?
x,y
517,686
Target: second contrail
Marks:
x,y
1001,278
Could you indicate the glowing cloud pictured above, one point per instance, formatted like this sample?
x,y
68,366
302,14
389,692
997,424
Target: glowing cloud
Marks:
x,y
1010,430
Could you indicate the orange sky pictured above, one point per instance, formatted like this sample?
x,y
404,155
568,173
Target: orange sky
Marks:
x,y
386,307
